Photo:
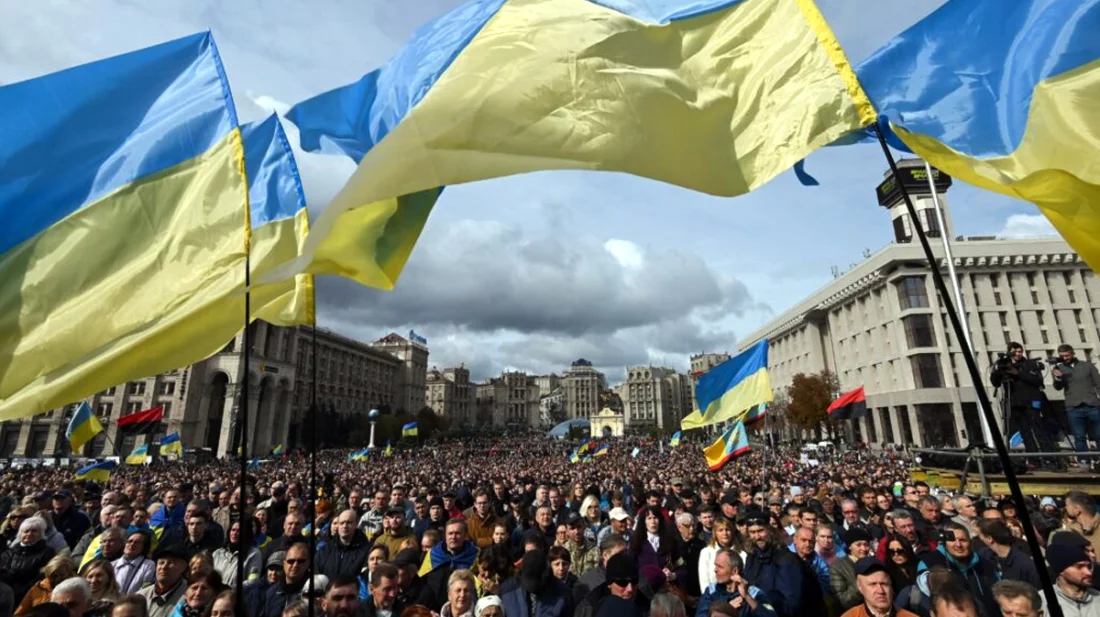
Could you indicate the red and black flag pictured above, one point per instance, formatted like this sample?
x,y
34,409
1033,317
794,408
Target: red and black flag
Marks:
x,y
142,421
850,406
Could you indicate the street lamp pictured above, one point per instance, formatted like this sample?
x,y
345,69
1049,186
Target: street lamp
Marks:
x,y
373,417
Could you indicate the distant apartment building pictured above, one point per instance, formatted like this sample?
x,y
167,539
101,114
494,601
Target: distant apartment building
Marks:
x,y
655,397
582,385
451,395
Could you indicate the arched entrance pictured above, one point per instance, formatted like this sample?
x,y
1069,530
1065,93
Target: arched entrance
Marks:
x,y
215,409
608,432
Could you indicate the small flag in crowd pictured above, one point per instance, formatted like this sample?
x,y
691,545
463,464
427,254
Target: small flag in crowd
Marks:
x,y
359,455
731,444
602,450
280,450
587,459
254,464
99,472
389,450
141,422
409,430
1016,441
675,441
635,453
850,406
171,444
83,427
137,457
574,457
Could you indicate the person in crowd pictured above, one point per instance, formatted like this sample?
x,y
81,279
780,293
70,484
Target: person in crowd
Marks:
x,y
461,594
409,584
347,552
293,524
394,530
200,564
227,557
815,572
953,599
74,594
956,554
653,544
57,569
270,599
873,582
611,545
561,565
199,596
730,587
901,563
1017,599
689,547
583,553
456,552
618,595
378,554
385,592
618,522
1083,518
133,606
489,606
71,522
169,583
723,538
22,563
100,575
774,569
842,572
340,599
825,545
1073,571
481,520
1010,562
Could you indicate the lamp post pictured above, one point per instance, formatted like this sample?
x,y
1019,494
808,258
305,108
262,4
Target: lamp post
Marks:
x,y
373,417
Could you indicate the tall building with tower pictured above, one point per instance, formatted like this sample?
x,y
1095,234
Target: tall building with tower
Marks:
x,y
581,386
882,325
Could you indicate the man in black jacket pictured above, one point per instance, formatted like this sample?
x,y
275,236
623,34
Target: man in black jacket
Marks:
x,y
347,553
1011,562
774,569
1022,380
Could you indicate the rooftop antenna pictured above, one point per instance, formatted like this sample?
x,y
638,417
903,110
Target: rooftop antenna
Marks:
x,y
835,270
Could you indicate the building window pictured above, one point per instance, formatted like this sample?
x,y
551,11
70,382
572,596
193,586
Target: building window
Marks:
x,y
926,370
168,387
137,388
919,331
133,407
912,293
109,391
103,410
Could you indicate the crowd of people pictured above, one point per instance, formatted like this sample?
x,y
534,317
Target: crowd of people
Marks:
x,y
509,527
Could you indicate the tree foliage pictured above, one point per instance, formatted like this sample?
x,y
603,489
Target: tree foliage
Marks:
x,y
808,398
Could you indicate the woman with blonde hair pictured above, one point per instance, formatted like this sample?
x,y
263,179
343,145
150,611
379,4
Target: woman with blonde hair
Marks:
x,y
593,517
461,593
724,537
57,569
100,575
202,564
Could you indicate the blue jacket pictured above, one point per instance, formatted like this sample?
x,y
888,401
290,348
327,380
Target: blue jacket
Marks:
x,y
820,568
777,572
553,601
713,594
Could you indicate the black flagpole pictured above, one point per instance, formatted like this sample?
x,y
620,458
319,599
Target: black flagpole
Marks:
x,y
244,535
313,461
979,388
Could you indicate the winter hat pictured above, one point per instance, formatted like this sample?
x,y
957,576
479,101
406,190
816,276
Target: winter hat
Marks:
x,y
622,567
1062,556
485,603
856,534
533,571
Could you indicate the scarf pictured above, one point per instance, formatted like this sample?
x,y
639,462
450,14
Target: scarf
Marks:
x,y
439,557
183,610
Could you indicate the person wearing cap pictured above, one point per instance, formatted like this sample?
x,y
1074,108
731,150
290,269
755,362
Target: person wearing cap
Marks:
x,y
480,519
621,585
583,552
535,587
273,569
731,588
1073,570
409,583
437,518
620,524
346,553
169,585
395,531
69,521
874,587
774,569
842,572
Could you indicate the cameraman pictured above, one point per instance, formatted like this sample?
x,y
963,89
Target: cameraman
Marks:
x,y
1022,380
1081,381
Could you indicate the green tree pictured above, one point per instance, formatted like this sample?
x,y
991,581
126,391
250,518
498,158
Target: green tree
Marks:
x,y
808,398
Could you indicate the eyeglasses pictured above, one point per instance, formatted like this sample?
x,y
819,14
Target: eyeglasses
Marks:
x,y
896,551
294,562
624,582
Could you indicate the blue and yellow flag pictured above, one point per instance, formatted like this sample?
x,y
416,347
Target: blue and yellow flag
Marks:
x,y
171,444
137,457
728,390
574,457
279,450
675,441
718,96
99,472
359,455
602,450
732,443
82,427
147,142
409,430
1005,96
388,451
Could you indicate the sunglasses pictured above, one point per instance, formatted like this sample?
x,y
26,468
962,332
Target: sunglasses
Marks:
x,y
294,562
625,582
896,551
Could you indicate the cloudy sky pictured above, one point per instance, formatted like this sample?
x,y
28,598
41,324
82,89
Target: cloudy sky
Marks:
x,y
532,272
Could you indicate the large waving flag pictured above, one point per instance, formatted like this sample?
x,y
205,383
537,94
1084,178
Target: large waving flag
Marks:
x,y
171,444
718,96
142,421
127,218
851,405
1006,96
137,457
730,389
82,427
98,472
732,443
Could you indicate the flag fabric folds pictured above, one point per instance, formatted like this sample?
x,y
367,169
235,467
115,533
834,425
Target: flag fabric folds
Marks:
x,y
1016,441
717,96
171,444
98,472
279,450
574,457
82,427
137,457
142,421
388,451
729,390
1005,96
675,441
602,450
851,405
409,430
635,453
733,442
756,413
147,142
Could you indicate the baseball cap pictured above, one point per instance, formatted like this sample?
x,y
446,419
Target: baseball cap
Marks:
x,y
574,520
775,501
869,565
62,493
395,510
618,514
173,550
1048,501
407,557
42,495
275,560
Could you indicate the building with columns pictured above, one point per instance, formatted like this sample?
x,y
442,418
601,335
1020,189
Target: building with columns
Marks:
x,y
411,384
655,397
511,400
582,385
202,401
882,325
450,394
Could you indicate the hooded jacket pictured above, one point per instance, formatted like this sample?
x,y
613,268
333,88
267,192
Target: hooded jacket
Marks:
x,y
777,572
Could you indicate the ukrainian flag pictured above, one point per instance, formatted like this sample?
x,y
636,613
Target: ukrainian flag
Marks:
x,y
1005,96
128,213
279,450
82,427
675,441
137,457
602,450
574,458
99,472
718,96
731,444
388,451
171,444
409,430
731,388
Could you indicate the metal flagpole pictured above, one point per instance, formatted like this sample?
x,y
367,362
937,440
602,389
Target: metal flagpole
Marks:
x,y
764,471
244,534
313,465
976,377
988,438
